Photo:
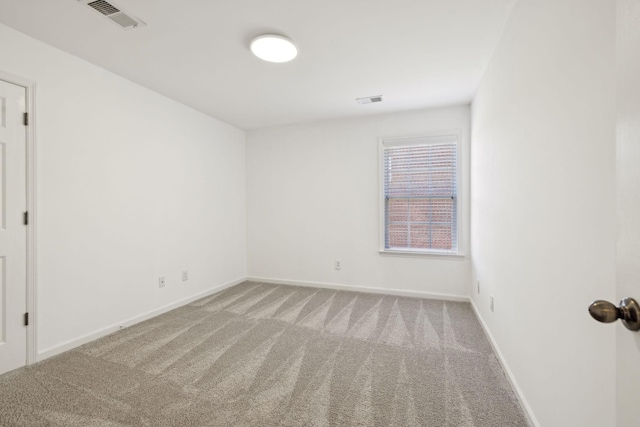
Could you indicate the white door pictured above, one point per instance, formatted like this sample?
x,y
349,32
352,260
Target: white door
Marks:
x,y
13,232
628,175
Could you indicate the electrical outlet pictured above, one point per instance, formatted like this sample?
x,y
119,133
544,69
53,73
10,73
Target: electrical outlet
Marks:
x,y
478,285
338,265
185,275
161,282
491,302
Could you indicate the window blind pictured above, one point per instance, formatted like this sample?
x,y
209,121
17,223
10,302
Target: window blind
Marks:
x,y
420,192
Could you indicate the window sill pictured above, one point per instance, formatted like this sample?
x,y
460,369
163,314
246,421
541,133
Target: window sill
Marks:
x,y
420,254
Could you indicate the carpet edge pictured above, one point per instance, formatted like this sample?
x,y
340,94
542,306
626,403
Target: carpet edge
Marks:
x,y
373,290
524,404
92,336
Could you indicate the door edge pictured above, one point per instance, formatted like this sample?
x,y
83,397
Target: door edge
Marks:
x,y
31,184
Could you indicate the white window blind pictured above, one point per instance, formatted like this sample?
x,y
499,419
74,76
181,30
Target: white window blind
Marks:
x,y
420,194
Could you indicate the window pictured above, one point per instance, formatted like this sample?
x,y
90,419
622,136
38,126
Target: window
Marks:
x,y
420,186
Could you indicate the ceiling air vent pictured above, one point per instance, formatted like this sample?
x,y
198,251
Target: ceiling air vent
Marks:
x,y
369,99
115,14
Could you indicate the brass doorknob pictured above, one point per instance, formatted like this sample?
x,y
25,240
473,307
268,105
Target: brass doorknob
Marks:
x,y
629,312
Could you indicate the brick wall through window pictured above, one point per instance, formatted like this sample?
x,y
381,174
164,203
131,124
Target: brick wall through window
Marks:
x,y
420,191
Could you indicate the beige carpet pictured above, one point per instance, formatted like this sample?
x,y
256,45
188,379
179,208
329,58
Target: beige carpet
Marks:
x,y
265,355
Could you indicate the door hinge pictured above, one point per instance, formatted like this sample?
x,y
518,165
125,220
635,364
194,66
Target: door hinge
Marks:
x,y
26,319
25,119
26,218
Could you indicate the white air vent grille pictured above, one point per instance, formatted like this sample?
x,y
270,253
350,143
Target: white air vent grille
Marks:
x,y
369,99
104,7
123,20
115,14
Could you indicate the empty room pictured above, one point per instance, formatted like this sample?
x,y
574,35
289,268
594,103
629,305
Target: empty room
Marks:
x,y
337,213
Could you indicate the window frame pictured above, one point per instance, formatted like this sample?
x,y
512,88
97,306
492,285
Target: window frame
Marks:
x,y
419,140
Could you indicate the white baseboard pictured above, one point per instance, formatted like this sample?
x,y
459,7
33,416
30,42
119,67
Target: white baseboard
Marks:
x,y
531,418
76,342
400,292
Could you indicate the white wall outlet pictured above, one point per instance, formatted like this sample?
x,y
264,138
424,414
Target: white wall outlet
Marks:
x,y
338,265
478,281
161,282
185,275
491,302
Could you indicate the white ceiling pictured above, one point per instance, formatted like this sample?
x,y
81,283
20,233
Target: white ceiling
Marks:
x,y
417,53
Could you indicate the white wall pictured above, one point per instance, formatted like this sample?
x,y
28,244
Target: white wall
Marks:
x,y
312,198
131,186
543,205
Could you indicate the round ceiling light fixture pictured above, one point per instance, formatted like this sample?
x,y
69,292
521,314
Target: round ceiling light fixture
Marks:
x,y
273,48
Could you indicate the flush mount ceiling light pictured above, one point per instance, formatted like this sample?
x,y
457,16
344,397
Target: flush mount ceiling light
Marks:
x,y
273,48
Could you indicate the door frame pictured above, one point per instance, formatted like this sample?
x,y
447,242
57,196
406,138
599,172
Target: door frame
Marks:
x,y
31,183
